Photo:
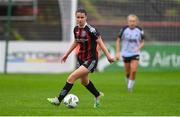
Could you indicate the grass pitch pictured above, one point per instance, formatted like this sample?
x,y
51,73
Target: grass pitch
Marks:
x,y
155,93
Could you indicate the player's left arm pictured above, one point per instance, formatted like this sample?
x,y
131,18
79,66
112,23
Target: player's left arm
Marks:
x,y
105,50
141,45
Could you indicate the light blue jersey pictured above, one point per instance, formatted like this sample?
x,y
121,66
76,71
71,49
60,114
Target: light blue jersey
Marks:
x,y
131,39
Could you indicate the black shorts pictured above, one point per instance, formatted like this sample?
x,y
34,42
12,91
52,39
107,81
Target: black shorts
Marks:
x,y
128,59
90,65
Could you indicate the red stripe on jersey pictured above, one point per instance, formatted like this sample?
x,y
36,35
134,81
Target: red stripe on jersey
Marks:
x,y
77,49
83,53
78,33
84,48
79,36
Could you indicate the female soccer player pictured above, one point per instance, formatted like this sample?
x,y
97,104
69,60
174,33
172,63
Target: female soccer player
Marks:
x,y
132,37
87,37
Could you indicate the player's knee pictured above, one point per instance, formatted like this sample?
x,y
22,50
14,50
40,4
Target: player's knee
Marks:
x,y
84,83
71,79
133,72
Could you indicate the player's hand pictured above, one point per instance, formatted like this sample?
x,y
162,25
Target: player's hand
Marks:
x,y
118,56
111,59
63,59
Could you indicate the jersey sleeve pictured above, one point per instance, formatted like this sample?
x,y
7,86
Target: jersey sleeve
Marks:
x,y
121,32
95,33
142,35
141,32
74,32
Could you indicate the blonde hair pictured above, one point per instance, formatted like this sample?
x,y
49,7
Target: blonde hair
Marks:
x,y
134,16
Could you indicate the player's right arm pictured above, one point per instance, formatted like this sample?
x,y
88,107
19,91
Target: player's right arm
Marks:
x,y
73,45
118,48
120,36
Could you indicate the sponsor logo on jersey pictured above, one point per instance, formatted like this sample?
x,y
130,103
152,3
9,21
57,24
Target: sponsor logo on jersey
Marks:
x,y
81,40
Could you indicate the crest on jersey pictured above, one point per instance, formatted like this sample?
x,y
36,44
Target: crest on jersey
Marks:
x,y
77,32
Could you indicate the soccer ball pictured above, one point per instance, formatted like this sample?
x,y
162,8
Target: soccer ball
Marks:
x,y
71,101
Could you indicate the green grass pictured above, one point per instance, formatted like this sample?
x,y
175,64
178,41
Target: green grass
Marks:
x,y
155,93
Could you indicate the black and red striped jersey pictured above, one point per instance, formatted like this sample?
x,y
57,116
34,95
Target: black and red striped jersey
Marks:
x,y
86,38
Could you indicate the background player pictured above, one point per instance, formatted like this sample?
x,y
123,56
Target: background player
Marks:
x,y
132,37
87,37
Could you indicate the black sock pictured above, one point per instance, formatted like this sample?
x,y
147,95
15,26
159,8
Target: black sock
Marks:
x,y
92,89
65,91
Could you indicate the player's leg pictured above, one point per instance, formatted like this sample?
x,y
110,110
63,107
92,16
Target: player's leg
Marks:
x,y
91,66
81,71
90,86
127,70
84,80
133,67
